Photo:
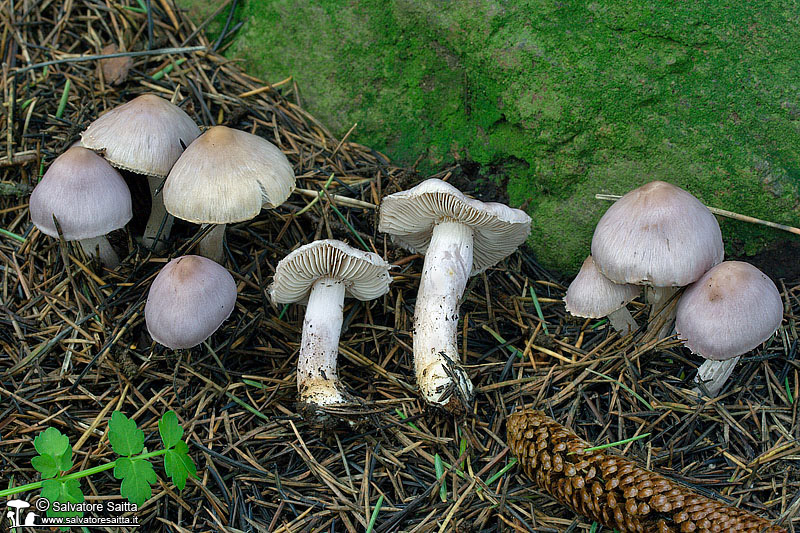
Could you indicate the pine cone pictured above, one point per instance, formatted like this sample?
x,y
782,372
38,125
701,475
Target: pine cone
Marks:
x,y
615,491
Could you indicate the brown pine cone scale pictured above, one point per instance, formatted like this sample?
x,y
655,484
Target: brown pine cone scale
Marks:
x,y
614,491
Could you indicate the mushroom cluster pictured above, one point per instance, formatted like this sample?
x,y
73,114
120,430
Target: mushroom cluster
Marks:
x,y
224,176
662,238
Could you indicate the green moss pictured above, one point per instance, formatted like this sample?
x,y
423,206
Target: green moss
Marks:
x,y
565,99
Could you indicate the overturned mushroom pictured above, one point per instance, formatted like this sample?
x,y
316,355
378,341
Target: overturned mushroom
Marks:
x,y
659,236
87,197
321,274
460,237
226,176
731,310
592,295
145,136
188,301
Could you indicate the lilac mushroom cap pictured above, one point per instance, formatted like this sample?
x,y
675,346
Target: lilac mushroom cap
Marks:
x,y
143,136
729,311
188,301
87,196
657,235
592,295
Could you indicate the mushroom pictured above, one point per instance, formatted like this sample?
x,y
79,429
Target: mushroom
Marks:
x,y
321,274
592,295
460,237
87,197
729,311
188,301
145,136
226,176
659,236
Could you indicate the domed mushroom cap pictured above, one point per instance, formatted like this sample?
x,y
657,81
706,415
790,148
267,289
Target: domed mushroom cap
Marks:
x,y
143,135
365,274
410,216
592,295
227,176
88,197
657,235
188,301
732,309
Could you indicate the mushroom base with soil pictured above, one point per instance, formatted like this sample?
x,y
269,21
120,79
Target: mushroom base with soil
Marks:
x,y
100,248
448,262
317,377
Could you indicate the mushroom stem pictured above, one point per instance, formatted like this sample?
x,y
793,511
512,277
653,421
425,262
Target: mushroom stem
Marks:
x,y
317,379
211,245
622,321
158,213
100,248
658,297
714,374
448,263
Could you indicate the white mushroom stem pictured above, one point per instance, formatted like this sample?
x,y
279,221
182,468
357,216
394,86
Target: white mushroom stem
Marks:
x,y
448,263
658,297
714,374
317,379
100,248
211,245
622,321
158,213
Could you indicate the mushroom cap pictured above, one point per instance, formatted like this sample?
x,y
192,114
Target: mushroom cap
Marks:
x,y
227,176
365,274
189,299
729,311
657,235
143,135
592,295
410,216
86,194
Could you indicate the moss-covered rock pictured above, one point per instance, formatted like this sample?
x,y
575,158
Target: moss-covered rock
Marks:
x,y
562,99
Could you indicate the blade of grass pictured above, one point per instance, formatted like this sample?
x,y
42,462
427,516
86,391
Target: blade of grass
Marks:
x,y
628,389
313,202
611,444
789,391
502,471
501,340
62,104
538,309
404,417
375,512
20,238
440,476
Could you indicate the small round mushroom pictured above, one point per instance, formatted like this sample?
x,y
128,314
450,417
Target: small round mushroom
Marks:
x,y
87,197
226,176
659,236
145,136
592,295
321,274
460,237
729,311
188,301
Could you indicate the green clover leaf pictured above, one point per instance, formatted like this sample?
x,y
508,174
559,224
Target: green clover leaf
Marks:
x,y
178,465
126,439
55,453
63,491
171,432
137,475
